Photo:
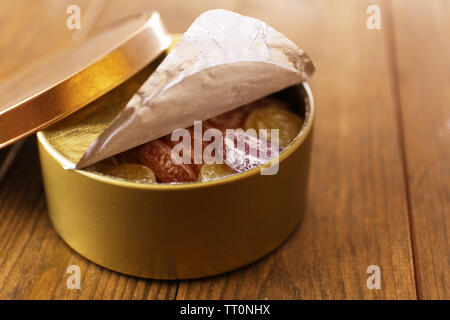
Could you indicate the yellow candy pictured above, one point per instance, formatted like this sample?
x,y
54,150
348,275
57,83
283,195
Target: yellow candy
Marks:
x,y
275,117
130,172
214,171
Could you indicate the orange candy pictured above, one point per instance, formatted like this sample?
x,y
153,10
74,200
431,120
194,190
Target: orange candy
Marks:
x,y
157,156
195,166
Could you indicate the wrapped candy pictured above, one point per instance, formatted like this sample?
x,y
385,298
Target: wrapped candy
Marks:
x,y
245,151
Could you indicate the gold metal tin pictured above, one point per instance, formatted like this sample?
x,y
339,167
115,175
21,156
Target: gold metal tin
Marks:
x,y
164,231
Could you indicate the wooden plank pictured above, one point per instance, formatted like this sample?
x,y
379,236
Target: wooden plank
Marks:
x,y
423,60
33,30
358,208
357,212
34,260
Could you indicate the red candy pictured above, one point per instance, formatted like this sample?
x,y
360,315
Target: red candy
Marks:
x,y
157,156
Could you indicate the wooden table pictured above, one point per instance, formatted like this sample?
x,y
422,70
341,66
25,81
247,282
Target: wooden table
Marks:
x,y
379,192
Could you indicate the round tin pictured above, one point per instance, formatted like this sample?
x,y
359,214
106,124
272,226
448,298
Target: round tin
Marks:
x,y
166,231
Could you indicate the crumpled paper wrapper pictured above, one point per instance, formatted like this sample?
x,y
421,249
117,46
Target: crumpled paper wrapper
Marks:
x,y
223,61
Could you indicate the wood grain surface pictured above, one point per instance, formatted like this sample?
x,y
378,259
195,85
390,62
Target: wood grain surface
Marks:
x,y
379,191
423,74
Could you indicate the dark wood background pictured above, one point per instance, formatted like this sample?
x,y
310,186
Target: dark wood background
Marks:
x,y
379,192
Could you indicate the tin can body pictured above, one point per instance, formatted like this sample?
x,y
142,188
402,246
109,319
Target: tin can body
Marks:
x,y
180,231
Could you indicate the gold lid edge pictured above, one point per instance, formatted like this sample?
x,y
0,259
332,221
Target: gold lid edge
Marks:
x,y
68,96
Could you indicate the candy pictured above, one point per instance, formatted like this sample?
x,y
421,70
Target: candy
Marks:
x,y
157,156
230,120
245,151
131,172
242,151
194,139
275,117
214,171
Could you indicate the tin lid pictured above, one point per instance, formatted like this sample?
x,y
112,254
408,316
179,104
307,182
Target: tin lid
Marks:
x,y
59,85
